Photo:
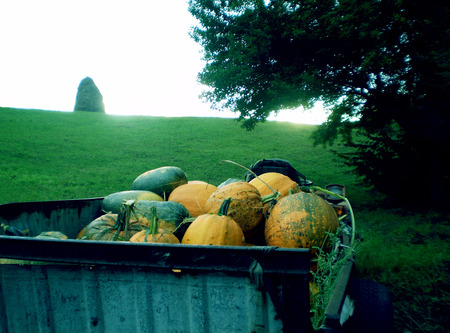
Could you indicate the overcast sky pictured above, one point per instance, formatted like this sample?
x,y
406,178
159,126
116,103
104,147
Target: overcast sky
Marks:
x,y
138,53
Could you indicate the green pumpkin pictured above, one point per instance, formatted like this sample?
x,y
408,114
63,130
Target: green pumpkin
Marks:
x,y
113,202
109,227
161,181
51,235
170,214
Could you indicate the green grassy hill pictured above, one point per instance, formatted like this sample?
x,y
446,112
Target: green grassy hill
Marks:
x,y
60,155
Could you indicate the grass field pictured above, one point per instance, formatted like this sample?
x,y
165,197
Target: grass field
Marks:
x,y
59,155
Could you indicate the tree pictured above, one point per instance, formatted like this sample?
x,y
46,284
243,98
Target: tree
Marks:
x,y
89,97
380,66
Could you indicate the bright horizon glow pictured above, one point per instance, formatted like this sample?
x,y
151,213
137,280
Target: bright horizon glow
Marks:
x,y
138,53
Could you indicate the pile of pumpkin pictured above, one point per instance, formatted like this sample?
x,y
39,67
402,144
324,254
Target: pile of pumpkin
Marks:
x,y
162,206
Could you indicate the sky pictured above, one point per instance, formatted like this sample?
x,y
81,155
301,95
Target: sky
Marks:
x,y
138,53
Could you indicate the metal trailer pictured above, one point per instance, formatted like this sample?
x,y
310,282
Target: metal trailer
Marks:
x,y
98,286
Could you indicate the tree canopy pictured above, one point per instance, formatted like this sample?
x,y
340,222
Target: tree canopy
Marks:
x,y
89,97
380,66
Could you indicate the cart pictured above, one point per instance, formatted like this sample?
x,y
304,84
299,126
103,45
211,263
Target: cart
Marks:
x,y
99,286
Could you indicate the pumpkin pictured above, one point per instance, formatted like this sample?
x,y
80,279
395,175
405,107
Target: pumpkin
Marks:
x,y
80,233
154,234
161,181
52,235
169,213
301,220
246,207
113,202
215,229
229,181
277,181
111,227
193,196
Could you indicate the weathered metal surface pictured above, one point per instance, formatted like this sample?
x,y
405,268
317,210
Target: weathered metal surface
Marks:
x,y
74,298
92,286
68,216
334,307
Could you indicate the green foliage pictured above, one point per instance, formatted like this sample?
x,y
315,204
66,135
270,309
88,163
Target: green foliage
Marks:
x,y
382,67
329,266
89,97
410,254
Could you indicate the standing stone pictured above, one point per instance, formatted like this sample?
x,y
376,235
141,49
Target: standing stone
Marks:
x,y
89,97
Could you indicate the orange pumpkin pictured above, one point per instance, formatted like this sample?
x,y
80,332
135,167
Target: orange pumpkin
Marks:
x,y
154,234
215,229
193,196
277,181
162,236
246,207
301,220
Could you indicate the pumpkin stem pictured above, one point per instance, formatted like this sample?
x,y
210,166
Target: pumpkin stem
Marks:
x,y
223,210
154,222
154,225
352,216
254,174
124,216
186,220
182,227
269,197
